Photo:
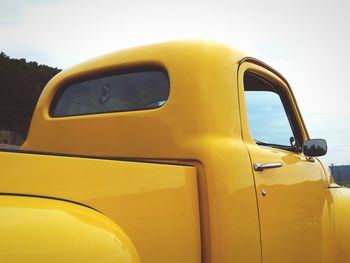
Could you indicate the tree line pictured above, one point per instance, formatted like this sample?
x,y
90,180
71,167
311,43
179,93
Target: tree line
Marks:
x,y
21,83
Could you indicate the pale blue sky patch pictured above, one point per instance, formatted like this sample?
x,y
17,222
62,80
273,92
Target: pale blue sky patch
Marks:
x,y
267,119
13,12
335,128
18,50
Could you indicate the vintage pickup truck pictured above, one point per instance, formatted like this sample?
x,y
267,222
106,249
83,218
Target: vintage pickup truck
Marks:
x,y
176,152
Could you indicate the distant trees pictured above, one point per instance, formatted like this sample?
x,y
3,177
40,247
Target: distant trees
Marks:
x,y
21,83
341,173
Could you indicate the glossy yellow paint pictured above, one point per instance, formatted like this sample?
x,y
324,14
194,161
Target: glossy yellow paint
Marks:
x,y
209,212
200,123
156,205
42,230
340,200
294,213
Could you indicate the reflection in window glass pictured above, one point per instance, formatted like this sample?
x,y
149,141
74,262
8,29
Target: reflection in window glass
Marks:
x,y
126,91
267,118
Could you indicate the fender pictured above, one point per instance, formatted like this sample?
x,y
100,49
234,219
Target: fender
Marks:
x,y
341,197
34,229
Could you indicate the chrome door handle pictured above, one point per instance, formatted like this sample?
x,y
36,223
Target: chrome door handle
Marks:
x,y
261,167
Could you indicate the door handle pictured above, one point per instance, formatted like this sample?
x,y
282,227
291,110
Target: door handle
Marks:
x,y
261,167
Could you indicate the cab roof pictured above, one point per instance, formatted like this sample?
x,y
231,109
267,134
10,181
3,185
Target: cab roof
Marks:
x,y
203,96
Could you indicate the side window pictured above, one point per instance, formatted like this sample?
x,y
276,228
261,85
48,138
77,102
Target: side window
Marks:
x,y
269,116
116,92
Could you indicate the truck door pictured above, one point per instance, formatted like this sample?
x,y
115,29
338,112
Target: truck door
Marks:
x,y
290,188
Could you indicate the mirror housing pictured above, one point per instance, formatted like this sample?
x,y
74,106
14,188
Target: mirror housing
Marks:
x,y
315,147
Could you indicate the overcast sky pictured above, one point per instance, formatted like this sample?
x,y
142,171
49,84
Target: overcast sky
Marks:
x,y
307,41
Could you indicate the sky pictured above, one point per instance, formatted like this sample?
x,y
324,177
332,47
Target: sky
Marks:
x,y
307,41
267,119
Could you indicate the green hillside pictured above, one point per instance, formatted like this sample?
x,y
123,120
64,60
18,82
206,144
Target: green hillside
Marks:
x,y
21,83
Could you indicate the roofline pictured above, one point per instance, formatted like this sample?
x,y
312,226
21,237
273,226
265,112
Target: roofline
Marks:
x,y
264,65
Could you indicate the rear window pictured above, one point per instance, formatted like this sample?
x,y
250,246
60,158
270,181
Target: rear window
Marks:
x,y
114,92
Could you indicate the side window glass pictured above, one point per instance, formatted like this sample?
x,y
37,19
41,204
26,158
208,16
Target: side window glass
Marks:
x,y
128,91
268,120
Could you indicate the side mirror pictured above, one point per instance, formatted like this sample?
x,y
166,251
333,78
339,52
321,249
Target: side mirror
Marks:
x,y
315,147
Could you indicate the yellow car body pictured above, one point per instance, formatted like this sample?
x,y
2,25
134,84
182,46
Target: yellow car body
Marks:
x,y
44,230
179,180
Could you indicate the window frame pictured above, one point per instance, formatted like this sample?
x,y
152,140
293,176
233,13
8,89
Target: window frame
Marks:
x,y
287,106
115,72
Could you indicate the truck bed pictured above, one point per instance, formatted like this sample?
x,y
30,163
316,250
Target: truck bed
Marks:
x,y
150,201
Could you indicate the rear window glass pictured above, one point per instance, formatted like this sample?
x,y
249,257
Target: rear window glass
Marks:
x,y
117,92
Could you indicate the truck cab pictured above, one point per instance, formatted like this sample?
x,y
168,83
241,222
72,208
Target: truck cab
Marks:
x,y
198,152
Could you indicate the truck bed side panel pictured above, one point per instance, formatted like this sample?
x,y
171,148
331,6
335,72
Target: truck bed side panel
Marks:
x,y
155,204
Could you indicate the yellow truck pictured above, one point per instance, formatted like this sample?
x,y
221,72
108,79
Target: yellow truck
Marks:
x,y
176,152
